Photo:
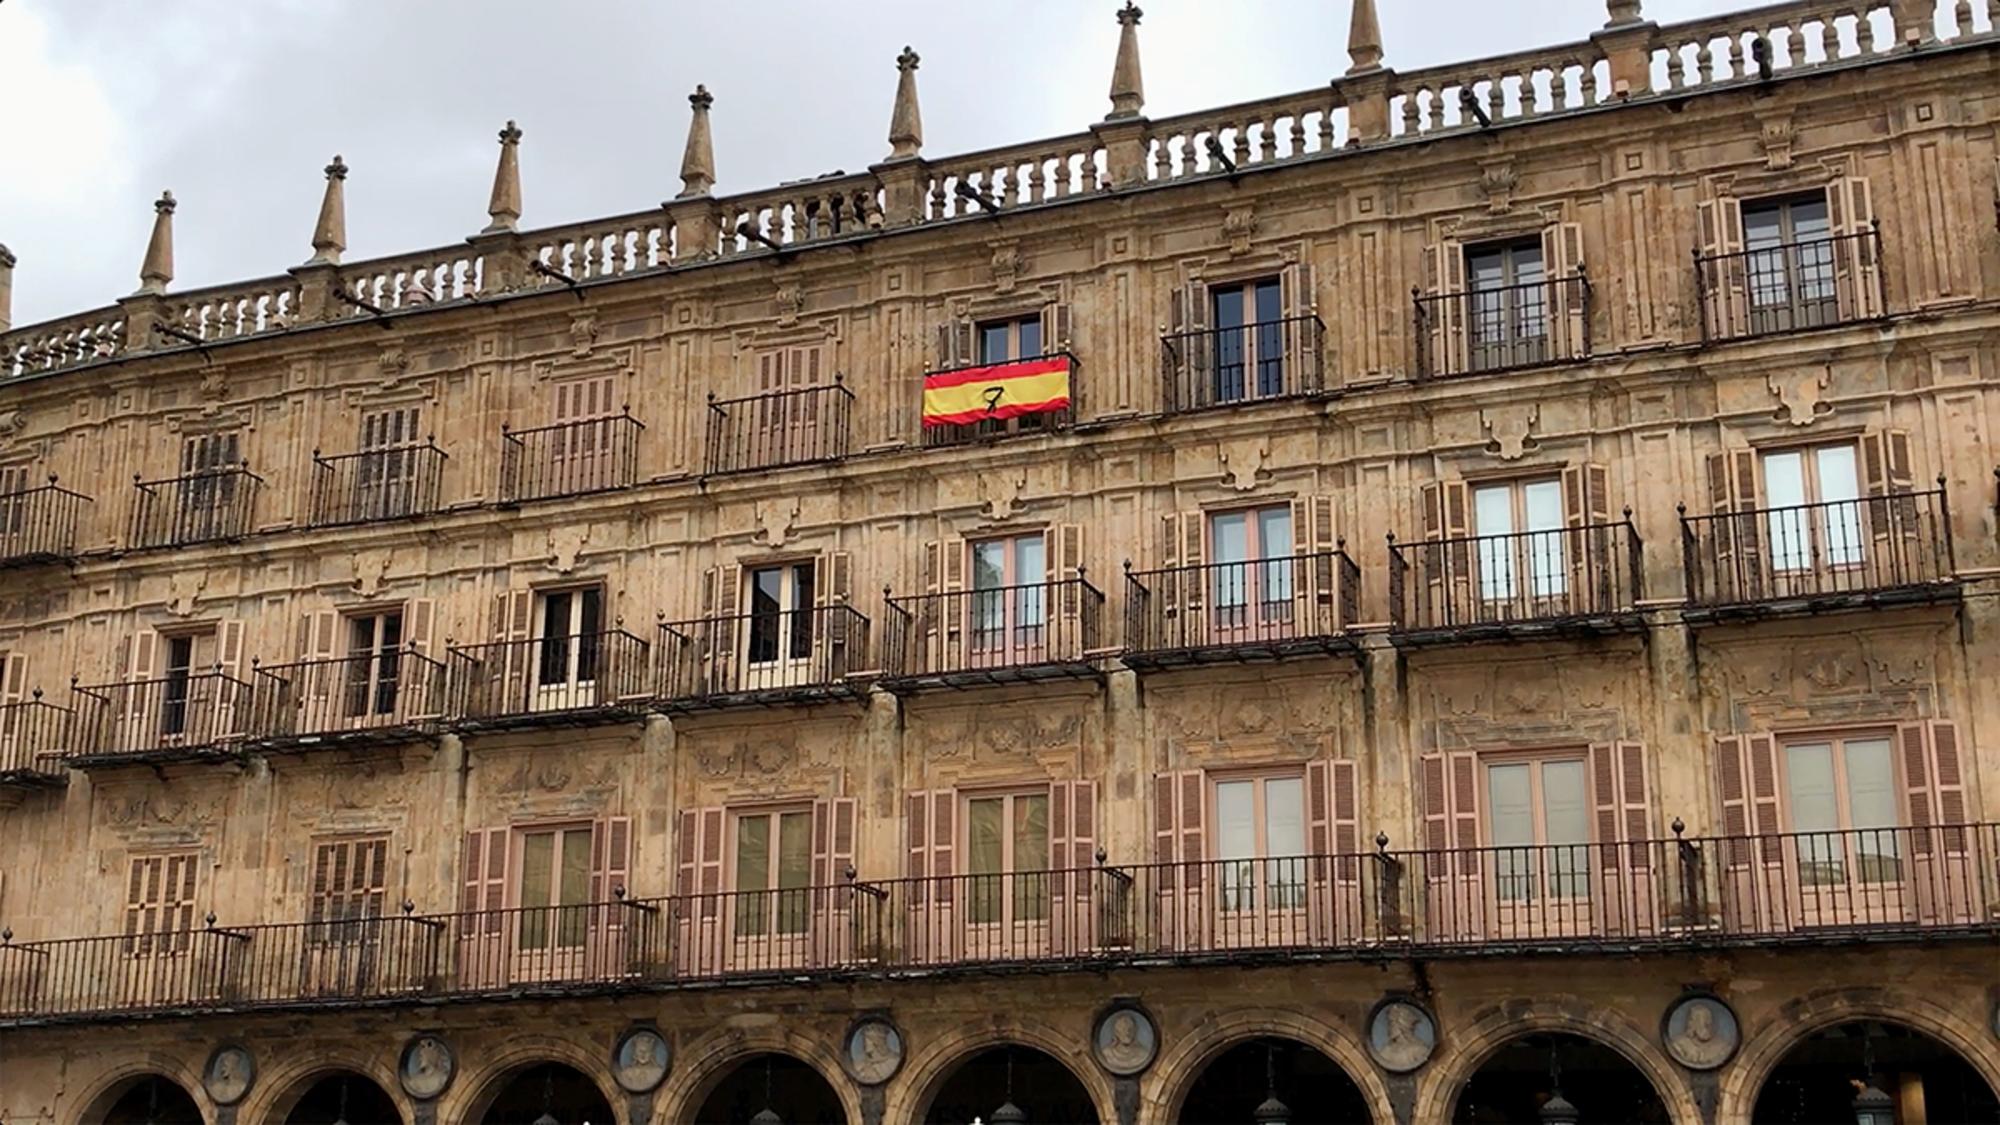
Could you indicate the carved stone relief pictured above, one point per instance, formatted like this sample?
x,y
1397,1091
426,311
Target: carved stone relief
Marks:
x,y
1510,429
1801,394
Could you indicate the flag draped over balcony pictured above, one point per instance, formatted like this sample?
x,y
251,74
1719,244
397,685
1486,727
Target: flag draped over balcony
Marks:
x,y
995,391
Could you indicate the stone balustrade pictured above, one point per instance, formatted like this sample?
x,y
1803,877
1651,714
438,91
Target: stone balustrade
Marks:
x,y
1627,60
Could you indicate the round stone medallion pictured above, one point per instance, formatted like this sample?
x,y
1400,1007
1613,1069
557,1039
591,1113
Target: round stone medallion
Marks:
x,y
1401,1036
1699,1032
426,1068
229,1073
874,1051
640,1061
1125,1041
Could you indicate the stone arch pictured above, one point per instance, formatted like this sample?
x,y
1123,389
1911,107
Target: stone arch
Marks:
x,y
1165,1087
1764,1046
701,1064
472,1092
113,1083
926,1071
1463,1049
278,1091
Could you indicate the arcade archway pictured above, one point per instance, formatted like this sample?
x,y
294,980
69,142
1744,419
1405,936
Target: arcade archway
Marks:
x,y
547,1090
1919,1078
1036,1084
1519,1081
1268,1072
147,1098
344,1097
793,1092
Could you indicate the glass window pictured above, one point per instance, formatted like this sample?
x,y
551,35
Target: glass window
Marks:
x,y
1009,591
1251,559
773,870
1520,529
1812,497
1506,304
1260,839
571,624
1841,800
1248,323
373,664
554,886
1004,340
1007,853
1789,258
1538,819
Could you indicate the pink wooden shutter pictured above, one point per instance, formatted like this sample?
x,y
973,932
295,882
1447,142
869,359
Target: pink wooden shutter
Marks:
x,y
1941,875
1318,871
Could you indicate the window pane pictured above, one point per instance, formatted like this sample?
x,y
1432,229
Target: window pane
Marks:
x,y
1510,823
766,587
1763,226
575,886
1030,572
1566,820
1274,541
1229,308
803,593
1527,258
994,341
1268,307
1815,809
989,565
753,873
537,878
1235,827
984,843
1484,269
1030,338
1784,489
1493,515
555,614
1871,807
1031,854
794,871
1543,500
1543,550
1841,519
1229,542
1284,816
1809,219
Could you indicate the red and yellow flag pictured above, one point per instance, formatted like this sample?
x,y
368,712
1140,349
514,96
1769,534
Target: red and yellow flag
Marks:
x,y
1000,390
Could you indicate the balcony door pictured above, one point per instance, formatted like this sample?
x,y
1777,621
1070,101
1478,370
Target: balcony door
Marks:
x,y
1846,857
373,686
160,938
14,513
187,693
583,450
771,912
1009,603
1260,849
1522,569
385,475
1789,254
1538,827
1248,319
1006,897
778,636
205,494
1507,307
569,635
1251,583
1814,517
552,924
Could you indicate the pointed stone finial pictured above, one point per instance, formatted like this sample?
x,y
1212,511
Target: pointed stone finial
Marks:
x,y
6,287
330,233
158,268
698,159
1364,39
505,206
906,123
1128,88
1624,13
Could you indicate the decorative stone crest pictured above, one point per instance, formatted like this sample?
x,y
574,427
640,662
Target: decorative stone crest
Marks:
x,y
639,1062
1497,182
565,544
391,366
1800,396
874,1051
1510,429
1241,461
1239,226
1700,1032
214,386
12,422
1401,1036
370,568
426,1067
1776,134
788,302
1125,1042
184,591
774,521
229,1074
582,333
1002,493
1006,265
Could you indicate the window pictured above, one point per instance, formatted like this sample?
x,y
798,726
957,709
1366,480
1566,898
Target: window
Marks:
x,y
571,627
1789,254
1007,835
385,476
1814,508
159,904
207,486
374,657
1841,793
1004,340
781,619
1507,304
1253,573
773,868
1009,578
1519,525
189,656
1538,817
554,887
1249,340
13,501
582,450
1261,818
349,877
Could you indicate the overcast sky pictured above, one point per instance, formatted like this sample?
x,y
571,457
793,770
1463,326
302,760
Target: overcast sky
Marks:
x,y
236,105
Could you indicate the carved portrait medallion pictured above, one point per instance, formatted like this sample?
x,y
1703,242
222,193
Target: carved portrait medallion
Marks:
x,y
1401,1036
426,1068
1699,1032
228,1075
1125,1040
639,1063
874,1051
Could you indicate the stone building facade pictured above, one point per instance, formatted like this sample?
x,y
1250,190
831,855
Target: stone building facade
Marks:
x,y
1496,631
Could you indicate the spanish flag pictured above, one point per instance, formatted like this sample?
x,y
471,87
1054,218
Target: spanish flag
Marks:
x,y
1000,390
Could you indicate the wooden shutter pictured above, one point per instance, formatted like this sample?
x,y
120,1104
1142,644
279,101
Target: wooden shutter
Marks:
x,y
930,826
138,655
1189,361
1063,558
1595,579
1181,587
1746,780
1624,867
1722,277
1454,889
1073,885
941,619
319,645
13,694
159,903
483,926
1180,819
1447,555
1056,330
232,702
1298,302
610,884
1894,526
1857,272
507,669
13,677
349,882
832,593
832,931
721,600
1732,569
1942,877
1316,593
1567,310
1333,837
1445,340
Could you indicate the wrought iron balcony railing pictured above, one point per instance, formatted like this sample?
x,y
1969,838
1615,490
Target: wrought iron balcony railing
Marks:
x,y
801,653
1834,551
376,485
39,524
182,715
806,426
197,507
1584,576
1791,287
1003,633
1504,327
968,433
1290,603
1249,363
346,699
1679,894
34,739
569,458
549,677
